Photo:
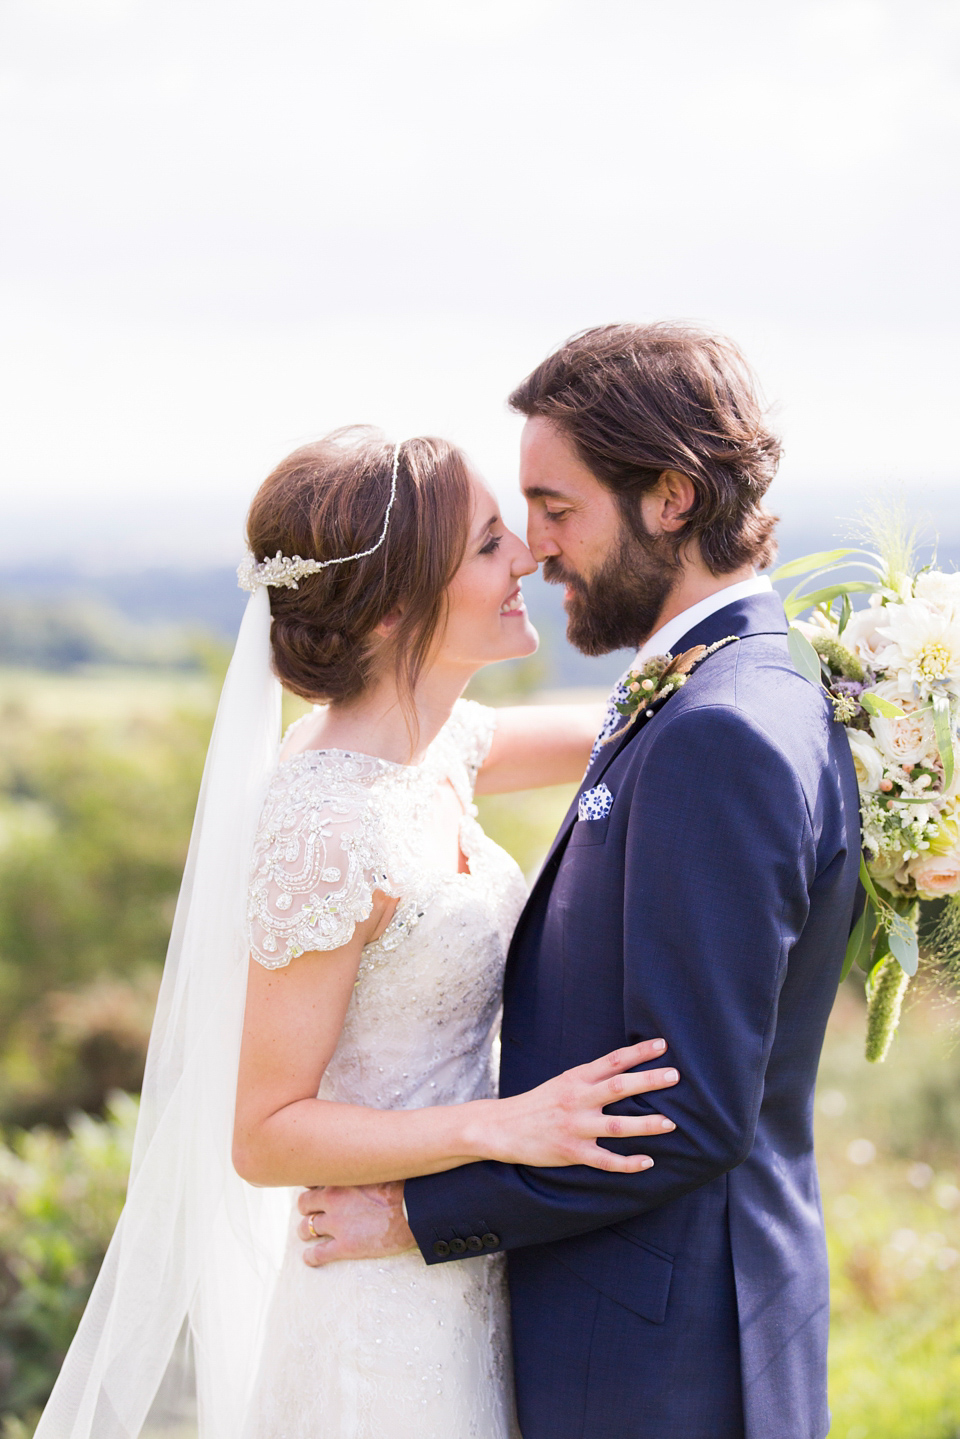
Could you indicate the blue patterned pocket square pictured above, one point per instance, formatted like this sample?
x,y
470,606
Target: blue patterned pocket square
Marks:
x,y
595,803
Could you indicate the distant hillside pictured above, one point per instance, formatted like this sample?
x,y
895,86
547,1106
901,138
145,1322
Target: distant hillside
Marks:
x,y
60,619
56,619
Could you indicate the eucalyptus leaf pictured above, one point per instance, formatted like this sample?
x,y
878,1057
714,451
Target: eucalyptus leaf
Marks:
x,y
904,945
796,604
876,705
805,658
943,730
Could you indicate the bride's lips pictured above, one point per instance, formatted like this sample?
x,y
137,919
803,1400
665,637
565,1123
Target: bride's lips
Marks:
x,y
513,605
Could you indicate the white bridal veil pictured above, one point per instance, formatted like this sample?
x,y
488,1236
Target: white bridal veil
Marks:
x,y
196,1249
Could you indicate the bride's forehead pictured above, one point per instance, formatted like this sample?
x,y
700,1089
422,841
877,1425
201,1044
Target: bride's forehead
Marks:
x,y
484,501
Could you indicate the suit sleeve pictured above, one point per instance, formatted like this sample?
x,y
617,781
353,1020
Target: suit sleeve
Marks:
x,y
720,860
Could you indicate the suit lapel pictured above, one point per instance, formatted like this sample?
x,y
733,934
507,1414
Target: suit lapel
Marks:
x,y
754,615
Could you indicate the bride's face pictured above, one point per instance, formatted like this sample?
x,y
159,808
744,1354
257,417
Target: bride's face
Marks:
x,y
487,620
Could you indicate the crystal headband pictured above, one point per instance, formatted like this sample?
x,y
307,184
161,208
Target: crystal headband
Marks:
x,y
286,570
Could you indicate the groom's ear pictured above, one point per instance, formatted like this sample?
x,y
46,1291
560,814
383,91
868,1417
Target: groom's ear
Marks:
x,y
670,501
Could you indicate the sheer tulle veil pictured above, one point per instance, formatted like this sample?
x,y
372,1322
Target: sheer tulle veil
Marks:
x,y
196,1249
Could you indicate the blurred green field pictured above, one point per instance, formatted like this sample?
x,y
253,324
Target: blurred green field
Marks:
x,y
98,775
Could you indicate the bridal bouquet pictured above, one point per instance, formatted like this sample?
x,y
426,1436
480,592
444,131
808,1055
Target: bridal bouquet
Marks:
x,y
892,671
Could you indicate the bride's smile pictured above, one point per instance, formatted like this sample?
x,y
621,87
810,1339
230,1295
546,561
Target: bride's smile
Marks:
x,y
486,617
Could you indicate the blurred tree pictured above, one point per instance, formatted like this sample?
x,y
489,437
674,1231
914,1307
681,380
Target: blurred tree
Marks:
x,y
94,824
59,1201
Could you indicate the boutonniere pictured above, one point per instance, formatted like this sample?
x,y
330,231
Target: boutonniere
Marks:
x,y
649,687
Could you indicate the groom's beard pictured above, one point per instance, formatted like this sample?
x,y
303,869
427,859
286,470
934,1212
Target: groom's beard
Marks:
x,y
620,606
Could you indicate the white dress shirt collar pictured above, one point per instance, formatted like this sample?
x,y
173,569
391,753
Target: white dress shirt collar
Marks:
x,y
662,641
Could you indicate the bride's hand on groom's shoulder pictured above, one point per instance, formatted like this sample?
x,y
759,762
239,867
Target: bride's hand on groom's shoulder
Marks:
x,y
560,1122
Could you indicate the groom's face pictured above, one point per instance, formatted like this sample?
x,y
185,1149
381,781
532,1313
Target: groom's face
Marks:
x,y
617,581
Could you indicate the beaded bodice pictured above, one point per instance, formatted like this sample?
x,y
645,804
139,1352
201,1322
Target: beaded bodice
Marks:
x,y
335,827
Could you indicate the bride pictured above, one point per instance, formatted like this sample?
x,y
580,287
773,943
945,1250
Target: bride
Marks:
x,y
345,1035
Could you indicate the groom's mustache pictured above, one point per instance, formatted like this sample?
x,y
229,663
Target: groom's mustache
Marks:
x,y
555,574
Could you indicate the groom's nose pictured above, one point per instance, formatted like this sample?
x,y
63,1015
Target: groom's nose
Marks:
x,y
540,544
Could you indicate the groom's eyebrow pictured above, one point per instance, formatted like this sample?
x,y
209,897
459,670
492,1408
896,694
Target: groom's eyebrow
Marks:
x,y
541,492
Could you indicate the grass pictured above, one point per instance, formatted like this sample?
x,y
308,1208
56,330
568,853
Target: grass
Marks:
x,y
888,1136
890,1174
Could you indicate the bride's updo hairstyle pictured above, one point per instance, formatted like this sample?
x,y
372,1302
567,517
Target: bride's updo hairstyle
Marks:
x,y
329,499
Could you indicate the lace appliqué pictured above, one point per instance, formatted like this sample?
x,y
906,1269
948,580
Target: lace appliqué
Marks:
x,y
336,826
318,857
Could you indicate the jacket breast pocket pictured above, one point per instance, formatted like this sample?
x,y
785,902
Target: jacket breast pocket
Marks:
x,y
621,1267
589,831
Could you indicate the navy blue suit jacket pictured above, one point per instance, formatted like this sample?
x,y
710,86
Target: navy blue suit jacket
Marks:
x,y
710,906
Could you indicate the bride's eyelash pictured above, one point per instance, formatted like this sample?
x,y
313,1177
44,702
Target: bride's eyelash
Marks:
x,y
492,545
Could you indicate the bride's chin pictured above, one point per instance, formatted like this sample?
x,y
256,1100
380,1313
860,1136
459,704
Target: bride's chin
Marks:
x,y
526,644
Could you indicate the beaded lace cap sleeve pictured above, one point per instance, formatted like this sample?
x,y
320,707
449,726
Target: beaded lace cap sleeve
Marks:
x,y
321,850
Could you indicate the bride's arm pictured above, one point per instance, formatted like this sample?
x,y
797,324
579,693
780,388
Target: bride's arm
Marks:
x,y
284,1135
536,745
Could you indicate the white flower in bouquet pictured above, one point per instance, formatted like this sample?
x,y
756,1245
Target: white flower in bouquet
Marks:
x,y
884,865
908,739
867,760
892,671
940,589
863,636
817,625
924,647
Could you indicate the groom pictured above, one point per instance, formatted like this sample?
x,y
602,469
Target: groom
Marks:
x,y
701,888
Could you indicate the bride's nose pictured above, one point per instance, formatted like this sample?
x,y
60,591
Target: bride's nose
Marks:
x,y
522,561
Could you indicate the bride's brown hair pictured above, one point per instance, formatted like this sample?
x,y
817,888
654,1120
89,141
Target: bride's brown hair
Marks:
x,y
329,499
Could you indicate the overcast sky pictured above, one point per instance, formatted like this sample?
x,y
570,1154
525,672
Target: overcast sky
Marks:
x,y
229,227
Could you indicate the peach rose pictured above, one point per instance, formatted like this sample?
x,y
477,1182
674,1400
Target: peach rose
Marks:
x,y
936,875
907,740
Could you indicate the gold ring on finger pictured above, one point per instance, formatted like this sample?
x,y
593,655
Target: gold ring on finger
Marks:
x,y
311,1228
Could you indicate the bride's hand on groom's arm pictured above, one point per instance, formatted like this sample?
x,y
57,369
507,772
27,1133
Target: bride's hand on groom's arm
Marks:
x,y
556,1124
560,1122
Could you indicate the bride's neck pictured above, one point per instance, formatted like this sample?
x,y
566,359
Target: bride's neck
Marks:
x,y
381,724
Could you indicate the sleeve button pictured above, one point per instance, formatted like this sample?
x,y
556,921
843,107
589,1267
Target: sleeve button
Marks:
x,y
475,1243
458,1246
441,1249
490,1241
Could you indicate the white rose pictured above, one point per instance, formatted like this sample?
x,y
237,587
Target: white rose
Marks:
x,y
924,646
936,875
862,635
908,740
940,589
867,760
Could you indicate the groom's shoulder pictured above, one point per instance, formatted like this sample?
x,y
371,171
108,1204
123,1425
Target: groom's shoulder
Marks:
x,y
749,693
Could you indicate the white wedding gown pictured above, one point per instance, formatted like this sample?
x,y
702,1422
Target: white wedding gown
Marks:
x,y
390,1348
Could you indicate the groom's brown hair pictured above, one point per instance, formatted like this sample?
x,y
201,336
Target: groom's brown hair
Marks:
x,y
636,400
